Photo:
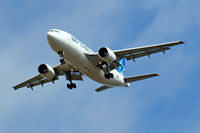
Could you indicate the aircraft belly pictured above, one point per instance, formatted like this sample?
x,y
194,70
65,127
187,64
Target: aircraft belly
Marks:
x,y
75,55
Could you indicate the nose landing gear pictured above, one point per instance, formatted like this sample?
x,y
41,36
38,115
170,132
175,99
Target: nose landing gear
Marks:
x,y
62,61
61,54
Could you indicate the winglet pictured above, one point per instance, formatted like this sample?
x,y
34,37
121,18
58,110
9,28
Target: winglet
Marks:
x,y
181,41
15,88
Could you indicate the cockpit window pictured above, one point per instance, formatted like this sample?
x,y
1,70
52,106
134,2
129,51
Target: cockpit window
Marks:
x,y
53,30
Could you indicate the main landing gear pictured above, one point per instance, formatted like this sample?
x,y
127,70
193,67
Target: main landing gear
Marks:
x,y
107,74
69,77
61,54
71,86
68,74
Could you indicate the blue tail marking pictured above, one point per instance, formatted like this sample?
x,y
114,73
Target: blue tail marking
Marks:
x,y
121,69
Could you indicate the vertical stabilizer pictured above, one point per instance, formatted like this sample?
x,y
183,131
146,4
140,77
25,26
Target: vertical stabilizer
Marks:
x,y
121,68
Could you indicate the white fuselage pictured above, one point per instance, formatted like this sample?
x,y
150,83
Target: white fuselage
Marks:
x,y
74,54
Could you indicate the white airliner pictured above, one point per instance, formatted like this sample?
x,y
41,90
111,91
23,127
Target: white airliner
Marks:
x,y
106,66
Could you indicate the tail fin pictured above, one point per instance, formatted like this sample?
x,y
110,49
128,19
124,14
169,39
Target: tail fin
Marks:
x,y
121,68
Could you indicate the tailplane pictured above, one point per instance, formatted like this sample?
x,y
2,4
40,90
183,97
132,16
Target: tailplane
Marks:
x,y
102,88
128,80
140,77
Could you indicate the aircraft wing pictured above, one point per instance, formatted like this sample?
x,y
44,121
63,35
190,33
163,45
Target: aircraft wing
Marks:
x,y
40,80
133,53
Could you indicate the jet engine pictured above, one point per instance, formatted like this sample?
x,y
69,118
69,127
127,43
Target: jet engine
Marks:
x,y
46,71
107,54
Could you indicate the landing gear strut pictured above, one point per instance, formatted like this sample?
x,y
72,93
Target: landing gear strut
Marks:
x,y
69,77
62,61
107,74
61,54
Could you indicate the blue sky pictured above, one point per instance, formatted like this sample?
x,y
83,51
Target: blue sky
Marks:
x,y
169,103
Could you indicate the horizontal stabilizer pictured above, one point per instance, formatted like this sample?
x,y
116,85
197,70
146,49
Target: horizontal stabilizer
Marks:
x,y
104,87
140,77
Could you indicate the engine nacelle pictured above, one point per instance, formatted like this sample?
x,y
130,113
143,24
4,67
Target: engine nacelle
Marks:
x,y
107,54
46,71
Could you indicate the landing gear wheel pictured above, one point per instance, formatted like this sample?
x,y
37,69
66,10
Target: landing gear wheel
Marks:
x,y
108,75
68,75
111,75
62,61
71,86
61,53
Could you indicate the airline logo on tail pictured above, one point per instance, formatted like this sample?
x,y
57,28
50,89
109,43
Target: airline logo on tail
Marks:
x,y
121,69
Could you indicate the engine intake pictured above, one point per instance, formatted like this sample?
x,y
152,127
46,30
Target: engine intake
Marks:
x,y
46,71
107,54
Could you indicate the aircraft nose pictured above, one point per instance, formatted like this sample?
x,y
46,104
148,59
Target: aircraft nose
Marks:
x,y
52,40
50,36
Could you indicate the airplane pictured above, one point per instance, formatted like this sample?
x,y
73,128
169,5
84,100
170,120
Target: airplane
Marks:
x,y
105,66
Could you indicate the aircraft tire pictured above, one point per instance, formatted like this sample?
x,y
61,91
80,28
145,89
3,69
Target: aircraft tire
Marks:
x,y
111,75
69,86
73,85
107,75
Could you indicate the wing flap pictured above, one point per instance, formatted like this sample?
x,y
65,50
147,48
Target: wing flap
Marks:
x,y
25,83
145,53
40,82
140,77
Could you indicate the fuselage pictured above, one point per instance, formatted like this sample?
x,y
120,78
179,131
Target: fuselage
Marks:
x,y
75,55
